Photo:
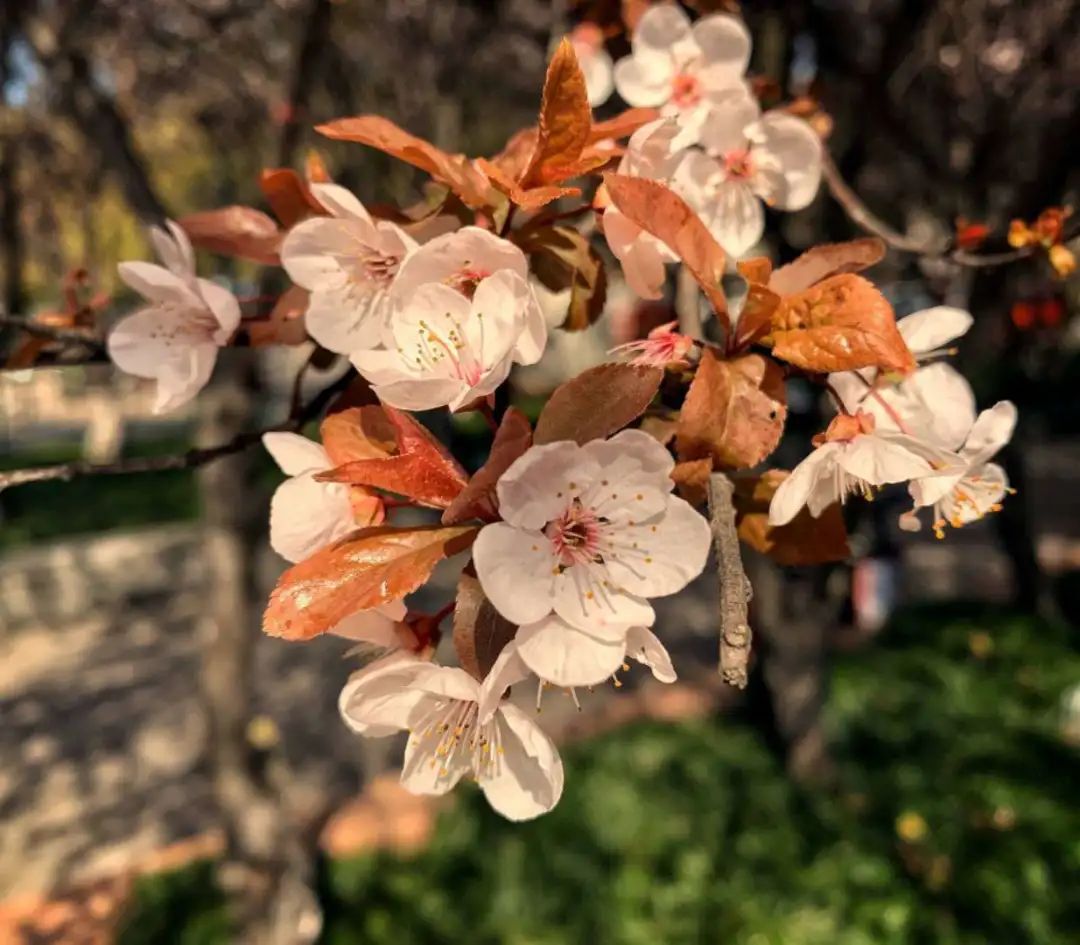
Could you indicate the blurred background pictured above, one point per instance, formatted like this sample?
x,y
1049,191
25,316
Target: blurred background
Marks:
x,y
903,767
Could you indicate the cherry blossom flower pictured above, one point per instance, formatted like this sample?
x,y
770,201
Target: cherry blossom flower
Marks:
x,y
589,533
854,457
596,65
664,347
651,154
347,261
568,656
464,261
450,349
457,727
748,158
307,515
174,340
680,68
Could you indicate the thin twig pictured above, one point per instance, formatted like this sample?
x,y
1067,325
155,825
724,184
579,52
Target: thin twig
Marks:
x,y
190,459
735,588
53,333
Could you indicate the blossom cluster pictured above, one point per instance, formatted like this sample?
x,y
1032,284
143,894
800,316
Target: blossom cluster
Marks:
x,y
576,522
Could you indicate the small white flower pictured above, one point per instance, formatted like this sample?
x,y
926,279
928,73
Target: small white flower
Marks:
x,y
464,260
589,533
650,154
348,262
175,340
596,65
680,68
457,727
854,457
749,158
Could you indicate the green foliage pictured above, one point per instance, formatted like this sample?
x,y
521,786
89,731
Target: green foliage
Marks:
x,y
954,822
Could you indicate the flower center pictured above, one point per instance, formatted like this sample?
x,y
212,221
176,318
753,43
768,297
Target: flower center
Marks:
x,y
466,279
447,354
685,90
575,535
452,738
739,165
376,267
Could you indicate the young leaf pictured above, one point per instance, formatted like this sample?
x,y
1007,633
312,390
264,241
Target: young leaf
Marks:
x,y
755,270
734,411
477,499
480,631
562,258
565,121
840,324
531,198
597,403
755,319
454,170
358,433
421,470
805,540
235,231
288,195
371,567
622,125
664,214
821,262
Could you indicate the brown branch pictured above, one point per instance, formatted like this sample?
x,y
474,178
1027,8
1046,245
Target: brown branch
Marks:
x,y
735,588
191,459
862,216
53,333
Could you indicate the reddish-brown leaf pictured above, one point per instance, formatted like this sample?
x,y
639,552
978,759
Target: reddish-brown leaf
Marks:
x,y
821,262
664,214
480,631
284,325
289,195
565,120
422,469
531,198
805,540
692,480
315,168
477,499
755,319
734,411
371,567
840,324
358,433
757,269
454,170
235,231
622,125
597,403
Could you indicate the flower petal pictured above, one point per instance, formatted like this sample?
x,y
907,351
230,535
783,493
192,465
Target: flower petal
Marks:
x,y
736,218
542,481
585,598
929,329
424,393
725,42
661,26
507,670
992,430
790,153
174,248
644,80
730,115
516,570
882,459
377,625
640,254
526,779
340,202
597,67
975,495
378,700
348,317
449,682
224,306
296,454
794,492
566,656
936,403
425,772
158,284
644,646
307,515
468,250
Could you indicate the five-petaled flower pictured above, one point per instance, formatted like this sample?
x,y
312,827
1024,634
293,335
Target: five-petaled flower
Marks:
x,y
589,533
748,158
175,340
854,457
348,262
682,68
457,726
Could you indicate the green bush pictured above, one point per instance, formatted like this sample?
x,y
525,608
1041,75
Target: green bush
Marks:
x,y
955,823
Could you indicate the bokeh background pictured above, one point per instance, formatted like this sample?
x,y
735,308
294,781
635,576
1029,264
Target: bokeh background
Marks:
x,y
904,765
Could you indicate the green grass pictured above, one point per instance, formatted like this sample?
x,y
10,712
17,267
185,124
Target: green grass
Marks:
x,y
692,832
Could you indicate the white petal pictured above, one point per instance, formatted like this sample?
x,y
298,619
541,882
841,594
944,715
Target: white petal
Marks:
x,y
424,772
174,248
793,493
515,569
377,625
224,306
879,460
724,41
932,328
421,393
432,308
340,202
791,177
469,249
632,450
661,27
566,656
348,318
975,495
929,490
661,555
644,80
507,318
526,779
180,380
644,646
306,516
597,68
992,430
853,387
507,670
730,114
541,482
448,682
296,454
317,253
936,404
638,252
378,700
158,284
737,219
585,598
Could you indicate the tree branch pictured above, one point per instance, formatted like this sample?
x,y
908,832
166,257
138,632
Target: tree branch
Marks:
x,y
735,588
191,459
53,333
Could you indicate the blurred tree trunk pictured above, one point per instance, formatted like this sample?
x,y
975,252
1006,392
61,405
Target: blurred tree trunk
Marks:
x,y
11,242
